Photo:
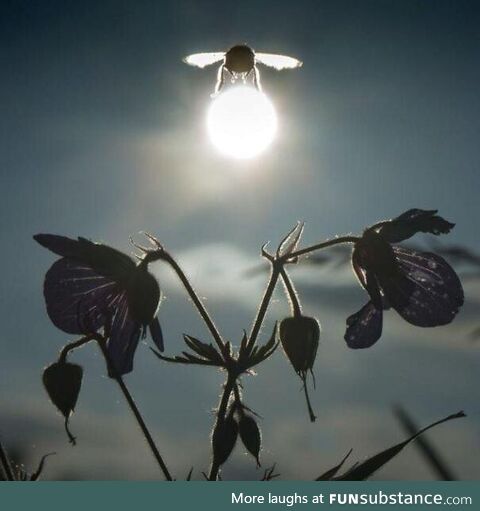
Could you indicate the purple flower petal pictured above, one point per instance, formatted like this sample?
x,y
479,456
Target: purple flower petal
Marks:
x,y
101,258
60,245
358,268
367,280
413,221
427,292
156,333
94,285
78,298
364,328
123,340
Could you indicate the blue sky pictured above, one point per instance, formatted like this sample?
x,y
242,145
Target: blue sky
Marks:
x,y
103,135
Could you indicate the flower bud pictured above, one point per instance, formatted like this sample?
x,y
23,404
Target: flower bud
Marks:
x,y
250,435
224,438
62,382
299,336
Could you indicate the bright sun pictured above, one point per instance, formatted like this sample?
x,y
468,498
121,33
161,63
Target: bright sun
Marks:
x,y
241,122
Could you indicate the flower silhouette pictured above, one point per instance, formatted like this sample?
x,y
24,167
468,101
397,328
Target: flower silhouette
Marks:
x,y
94,286
421,286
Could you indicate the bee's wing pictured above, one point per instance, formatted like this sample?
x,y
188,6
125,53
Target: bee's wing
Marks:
x,y
278,61
203,59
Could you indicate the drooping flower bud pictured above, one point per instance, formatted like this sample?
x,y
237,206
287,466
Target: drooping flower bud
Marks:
x,y
250,435
62,381
300,336
224,438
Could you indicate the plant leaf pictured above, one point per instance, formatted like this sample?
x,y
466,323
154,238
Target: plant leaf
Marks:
x,y
326,476
186,359
204,350
368,467
427,449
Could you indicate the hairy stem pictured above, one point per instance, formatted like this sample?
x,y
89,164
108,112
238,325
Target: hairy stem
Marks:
x,y
262,310
237,393
324,244
277,267
292,293
136,413
221,412
196,300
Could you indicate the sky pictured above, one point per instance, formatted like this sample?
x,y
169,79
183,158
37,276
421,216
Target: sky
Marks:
x,y
103,135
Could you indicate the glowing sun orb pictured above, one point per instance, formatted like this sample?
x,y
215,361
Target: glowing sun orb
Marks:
x,y
241,122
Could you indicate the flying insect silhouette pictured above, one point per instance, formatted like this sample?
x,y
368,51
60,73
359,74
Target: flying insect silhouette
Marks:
x,y
240,62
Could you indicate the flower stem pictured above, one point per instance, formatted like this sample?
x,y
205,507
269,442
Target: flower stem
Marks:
x,y
221,412
72,346
237,394
262,310
324,244
292,293
277,267
136,412
196,300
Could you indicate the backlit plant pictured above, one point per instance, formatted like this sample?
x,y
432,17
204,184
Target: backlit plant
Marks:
x,y
106,297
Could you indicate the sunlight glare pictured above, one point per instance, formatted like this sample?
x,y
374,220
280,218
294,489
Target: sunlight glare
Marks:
x,y
241,122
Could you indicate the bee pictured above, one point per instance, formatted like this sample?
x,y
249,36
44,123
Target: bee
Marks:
x,y
240,63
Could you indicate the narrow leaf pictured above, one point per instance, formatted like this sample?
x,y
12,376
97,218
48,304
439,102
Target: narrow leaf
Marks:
x,y
204,350
365,469
183,360
431,455
326,476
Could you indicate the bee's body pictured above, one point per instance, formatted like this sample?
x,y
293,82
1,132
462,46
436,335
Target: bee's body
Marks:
x,y
239,62
239,59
